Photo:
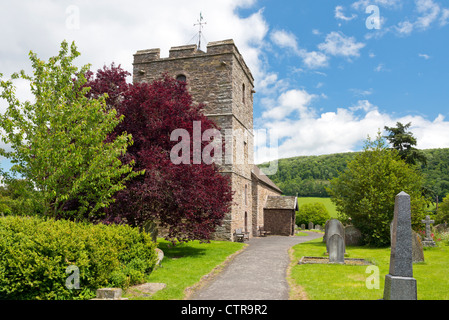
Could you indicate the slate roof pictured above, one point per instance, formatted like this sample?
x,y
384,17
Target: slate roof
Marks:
x,y
281,202
264,179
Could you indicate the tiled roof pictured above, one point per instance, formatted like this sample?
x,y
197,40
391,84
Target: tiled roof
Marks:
x,y
281,202
262,177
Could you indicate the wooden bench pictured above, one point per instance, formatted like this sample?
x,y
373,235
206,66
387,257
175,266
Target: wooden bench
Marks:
x,y
241,236
263,232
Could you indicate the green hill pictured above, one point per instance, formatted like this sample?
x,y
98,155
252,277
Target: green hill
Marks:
x,y
307,176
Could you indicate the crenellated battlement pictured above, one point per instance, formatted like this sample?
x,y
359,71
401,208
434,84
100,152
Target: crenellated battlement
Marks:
x,y
192,51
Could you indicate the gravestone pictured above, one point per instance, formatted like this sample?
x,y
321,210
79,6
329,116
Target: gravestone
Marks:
x,y
332,227
160,256
303,226
336,246
353,236
399,283
417,248
428,241
441,227
318,227
310,225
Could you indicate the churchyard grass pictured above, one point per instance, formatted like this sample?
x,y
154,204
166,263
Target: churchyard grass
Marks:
x,y
185,264
348,282
326,201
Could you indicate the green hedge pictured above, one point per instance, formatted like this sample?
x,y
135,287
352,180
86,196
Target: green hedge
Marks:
x,y
35,254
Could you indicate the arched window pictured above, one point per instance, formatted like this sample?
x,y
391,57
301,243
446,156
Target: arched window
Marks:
x,y
181,78
246,194
243,93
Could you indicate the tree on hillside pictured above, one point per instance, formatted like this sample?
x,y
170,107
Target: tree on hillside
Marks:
x,y
443,211
315,212
403,141
58,142
190,200
366,191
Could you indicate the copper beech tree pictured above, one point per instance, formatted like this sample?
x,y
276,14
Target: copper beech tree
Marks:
x,y
190,200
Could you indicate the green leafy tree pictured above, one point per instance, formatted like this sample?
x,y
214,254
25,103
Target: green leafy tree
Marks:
x,y
61,142
312,212
365,192
443,211
403,141
18,197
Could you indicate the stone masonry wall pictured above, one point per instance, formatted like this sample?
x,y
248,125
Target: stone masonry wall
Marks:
x,y
260,193
220,80
279,221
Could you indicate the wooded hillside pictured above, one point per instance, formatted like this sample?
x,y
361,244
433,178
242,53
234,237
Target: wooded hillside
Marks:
x,y
307,176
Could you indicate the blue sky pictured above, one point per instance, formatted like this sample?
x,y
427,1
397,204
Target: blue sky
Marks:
x,y
324,81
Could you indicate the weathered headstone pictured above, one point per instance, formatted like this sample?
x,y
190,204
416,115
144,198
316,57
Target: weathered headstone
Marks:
x,y
442,227
353,236
318,227
303,226
160,256
428,241
336,247
310,225
399,283
417,248
333,227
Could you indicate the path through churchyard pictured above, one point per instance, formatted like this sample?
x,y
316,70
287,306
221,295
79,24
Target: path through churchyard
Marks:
x,y
258,273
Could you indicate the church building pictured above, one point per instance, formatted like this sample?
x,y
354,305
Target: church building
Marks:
x,y
221,80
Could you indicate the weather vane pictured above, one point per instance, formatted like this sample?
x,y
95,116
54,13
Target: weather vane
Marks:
x,y
200,24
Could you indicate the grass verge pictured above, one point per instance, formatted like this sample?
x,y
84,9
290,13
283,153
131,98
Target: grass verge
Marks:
x,y
345,282
186,266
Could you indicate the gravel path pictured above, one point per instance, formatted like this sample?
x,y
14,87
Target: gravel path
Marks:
x,y
258,273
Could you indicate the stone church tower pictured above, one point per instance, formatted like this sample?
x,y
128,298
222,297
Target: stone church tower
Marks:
x,y
221,80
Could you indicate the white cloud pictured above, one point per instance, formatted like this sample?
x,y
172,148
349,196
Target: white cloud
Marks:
x,y
112,31
444,20
380,67
404,27
344,130
423,55
429,11
284,39
287,40
315,59
363,4
341,16
291,101
338,44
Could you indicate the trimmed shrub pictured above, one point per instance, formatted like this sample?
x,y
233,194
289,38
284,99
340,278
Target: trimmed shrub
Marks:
x,y
312,212
35,254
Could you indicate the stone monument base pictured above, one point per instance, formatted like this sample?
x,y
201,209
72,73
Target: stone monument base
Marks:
x,y
428,243
400,288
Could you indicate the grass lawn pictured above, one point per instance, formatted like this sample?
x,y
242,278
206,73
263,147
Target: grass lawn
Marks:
x,y
184,265
326,201
345,282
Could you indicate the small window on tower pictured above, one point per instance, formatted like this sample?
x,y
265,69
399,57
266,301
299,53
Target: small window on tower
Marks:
x,y
243,93
181,78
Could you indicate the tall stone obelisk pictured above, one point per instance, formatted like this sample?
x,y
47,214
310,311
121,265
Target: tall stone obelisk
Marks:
x,y
399,283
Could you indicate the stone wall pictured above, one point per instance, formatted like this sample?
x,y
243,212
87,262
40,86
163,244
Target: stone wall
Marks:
x,y
279,221
260,193
221,81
